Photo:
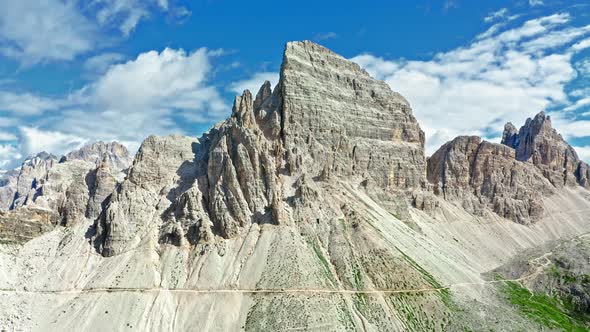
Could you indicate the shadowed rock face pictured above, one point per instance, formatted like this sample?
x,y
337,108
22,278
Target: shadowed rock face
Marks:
x,y
538,142
21,226
41,179
481,175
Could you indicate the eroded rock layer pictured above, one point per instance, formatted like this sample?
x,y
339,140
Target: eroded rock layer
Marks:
x,y
326,119
538,142
483,175
509,179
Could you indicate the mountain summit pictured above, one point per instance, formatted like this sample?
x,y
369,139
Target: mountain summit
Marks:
x,y
312,207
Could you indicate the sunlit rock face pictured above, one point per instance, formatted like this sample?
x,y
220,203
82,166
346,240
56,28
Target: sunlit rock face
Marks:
x,y
326,119
538,142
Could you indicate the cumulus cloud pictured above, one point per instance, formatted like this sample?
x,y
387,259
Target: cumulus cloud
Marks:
x,y
254,82
496,15
154,93
34,140
149,94
507,75
99,64
535,3
24,104
8,155
33,31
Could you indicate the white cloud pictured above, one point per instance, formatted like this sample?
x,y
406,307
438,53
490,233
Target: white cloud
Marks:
x,y
534,3
569,126
151,94
578,104
169,80
155,93
125,14
325,36
582,45
32,31
5,137
34,140
583,92
583,66
25,104
254,83
496,15
505,76
8,155
163,4
99,64
583,152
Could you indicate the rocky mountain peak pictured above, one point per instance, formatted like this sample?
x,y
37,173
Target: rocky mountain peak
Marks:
x,y
273,159
42,180
509,178
115,153
538,142
484,176
361,128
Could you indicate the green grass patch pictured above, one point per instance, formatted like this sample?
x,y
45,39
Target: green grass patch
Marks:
x,y
542,308
444,292
323,261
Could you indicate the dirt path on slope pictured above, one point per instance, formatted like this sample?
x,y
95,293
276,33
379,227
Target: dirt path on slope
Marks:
x,y
263,291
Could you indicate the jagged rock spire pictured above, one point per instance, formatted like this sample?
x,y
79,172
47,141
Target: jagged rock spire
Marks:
x,y
538,142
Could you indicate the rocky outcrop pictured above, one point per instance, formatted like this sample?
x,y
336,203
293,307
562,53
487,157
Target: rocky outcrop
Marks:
x,y
32,174
8,181
509,179
483,176
340,121
40,180
101,183
538,142
18,227
117,155
326,119
190,190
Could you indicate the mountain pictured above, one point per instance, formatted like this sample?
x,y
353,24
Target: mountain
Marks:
x,y
31,184
312,207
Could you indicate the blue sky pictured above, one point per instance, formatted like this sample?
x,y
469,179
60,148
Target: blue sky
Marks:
x,y
74,71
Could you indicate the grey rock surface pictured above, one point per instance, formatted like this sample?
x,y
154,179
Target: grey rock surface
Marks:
x,y
42,178
484,176
538,142
326,118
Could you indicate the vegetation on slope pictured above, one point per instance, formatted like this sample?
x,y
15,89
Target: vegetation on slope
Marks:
x,y
549,311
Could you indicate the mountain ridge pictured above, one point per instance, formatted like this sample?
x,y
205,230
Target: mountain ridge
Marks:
x,y
318,184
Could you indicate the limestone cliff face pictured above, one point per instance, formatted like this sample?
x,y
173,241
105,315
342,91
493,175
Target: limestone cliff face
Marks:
x,y
325,120
70,189
116,154
339,120
538,142
509,179
484,176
